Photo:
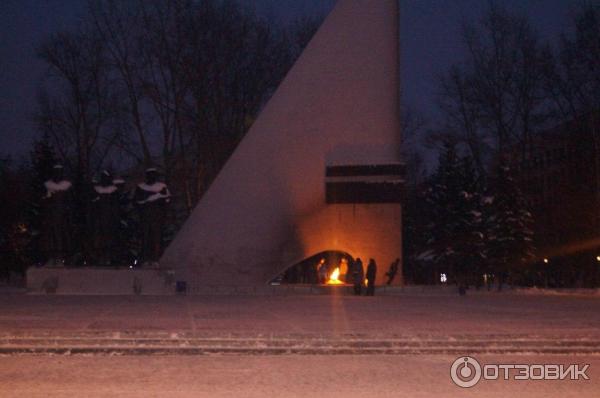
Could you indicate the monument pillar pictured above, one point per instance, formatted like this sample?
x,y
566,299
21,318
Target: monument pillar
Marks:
x,y
268,207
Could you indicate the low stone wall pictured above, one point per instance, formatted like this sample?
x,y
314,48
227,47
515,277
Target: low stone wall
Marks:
x,y
113,281
300,289
103,281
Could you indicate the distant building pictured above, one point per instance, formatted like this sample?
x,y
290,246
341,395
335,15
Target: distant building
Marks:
x,y
559,173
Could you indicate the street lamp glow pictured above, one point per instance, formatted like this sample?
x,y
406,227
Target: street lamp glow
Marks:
x,y
598,258
546,261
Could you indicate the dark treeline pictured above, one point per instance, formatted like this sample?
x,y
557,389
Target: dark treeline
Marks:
x,y
173,84
177,83
469,219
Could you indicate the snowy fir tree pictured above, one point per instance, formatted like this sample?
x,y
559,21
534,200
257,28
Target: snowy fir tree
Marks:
x,y
455,241
415,217
509,228
14,232
473,245
442,191
42,160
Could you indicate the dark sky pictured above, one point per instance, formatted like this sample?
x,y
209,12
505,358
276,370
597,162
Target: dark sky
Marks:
x,y
430,42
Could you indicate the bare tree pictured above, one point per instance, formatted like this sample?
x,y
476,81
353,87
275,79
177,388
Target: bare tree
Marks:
x,y
164,84
118,24
413,126
575,84
76,104
233,63
187,80
496,99
77,108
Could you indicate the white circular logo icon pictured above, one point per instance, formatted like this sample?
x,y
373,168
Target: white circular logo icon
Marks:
x,y
465,372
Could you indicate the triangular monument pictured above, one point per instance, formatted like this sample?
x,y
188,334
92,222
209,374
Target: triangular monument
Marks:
x,y
319,170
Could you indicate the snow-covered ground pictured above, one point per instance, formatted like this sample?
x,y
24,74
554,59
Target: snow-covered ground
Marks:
x,y
272,376
410,315
518,328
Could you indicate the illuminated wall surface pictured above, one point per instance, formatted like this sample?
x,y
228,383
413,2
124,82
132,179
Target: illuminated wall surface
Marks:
x,y
267,209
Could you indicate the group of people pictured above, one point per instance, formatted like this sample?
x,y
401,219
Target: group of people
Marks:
x,y
356,270
104,217
333,269
356,275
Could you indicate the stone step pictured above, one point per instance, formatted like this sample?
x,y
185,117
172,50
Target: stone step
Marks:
x,y
276,346
283,342
165,350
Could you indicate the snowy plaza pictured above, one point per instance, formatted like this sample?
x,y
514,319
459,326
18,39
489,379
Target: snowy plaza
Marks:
x,y
294,345
439,313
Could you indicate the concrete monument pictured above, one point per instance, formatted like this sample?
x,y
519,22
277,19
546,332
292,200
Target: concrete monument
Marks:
x,y
320,168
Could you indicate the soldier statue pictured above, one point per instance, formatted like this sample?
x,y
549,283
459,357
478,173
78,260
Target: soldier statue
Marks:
x,y
125,224
57,221
151,197
105,219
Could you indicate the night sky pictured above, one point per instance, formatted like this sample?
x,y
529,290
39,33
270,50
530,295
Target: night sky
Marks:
x,y
430,42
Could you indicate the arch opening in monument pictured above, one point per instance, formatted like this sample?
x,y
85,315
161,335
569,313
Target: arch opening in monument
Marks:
x,y
331,267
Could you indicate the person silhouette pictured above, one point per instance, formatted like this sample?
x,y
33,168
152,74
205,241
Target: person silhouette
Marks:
x,y
391,274
371,275
358,276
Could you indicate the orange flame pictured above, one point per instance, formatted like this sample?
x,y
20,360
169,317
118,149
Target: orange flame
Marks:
x,y
334,277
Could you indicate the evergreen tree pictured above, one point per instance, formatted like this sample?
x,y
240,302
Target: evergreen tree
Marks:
x,y
42,160
510,234
414,230
455,240
14,235
472,245
441,198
